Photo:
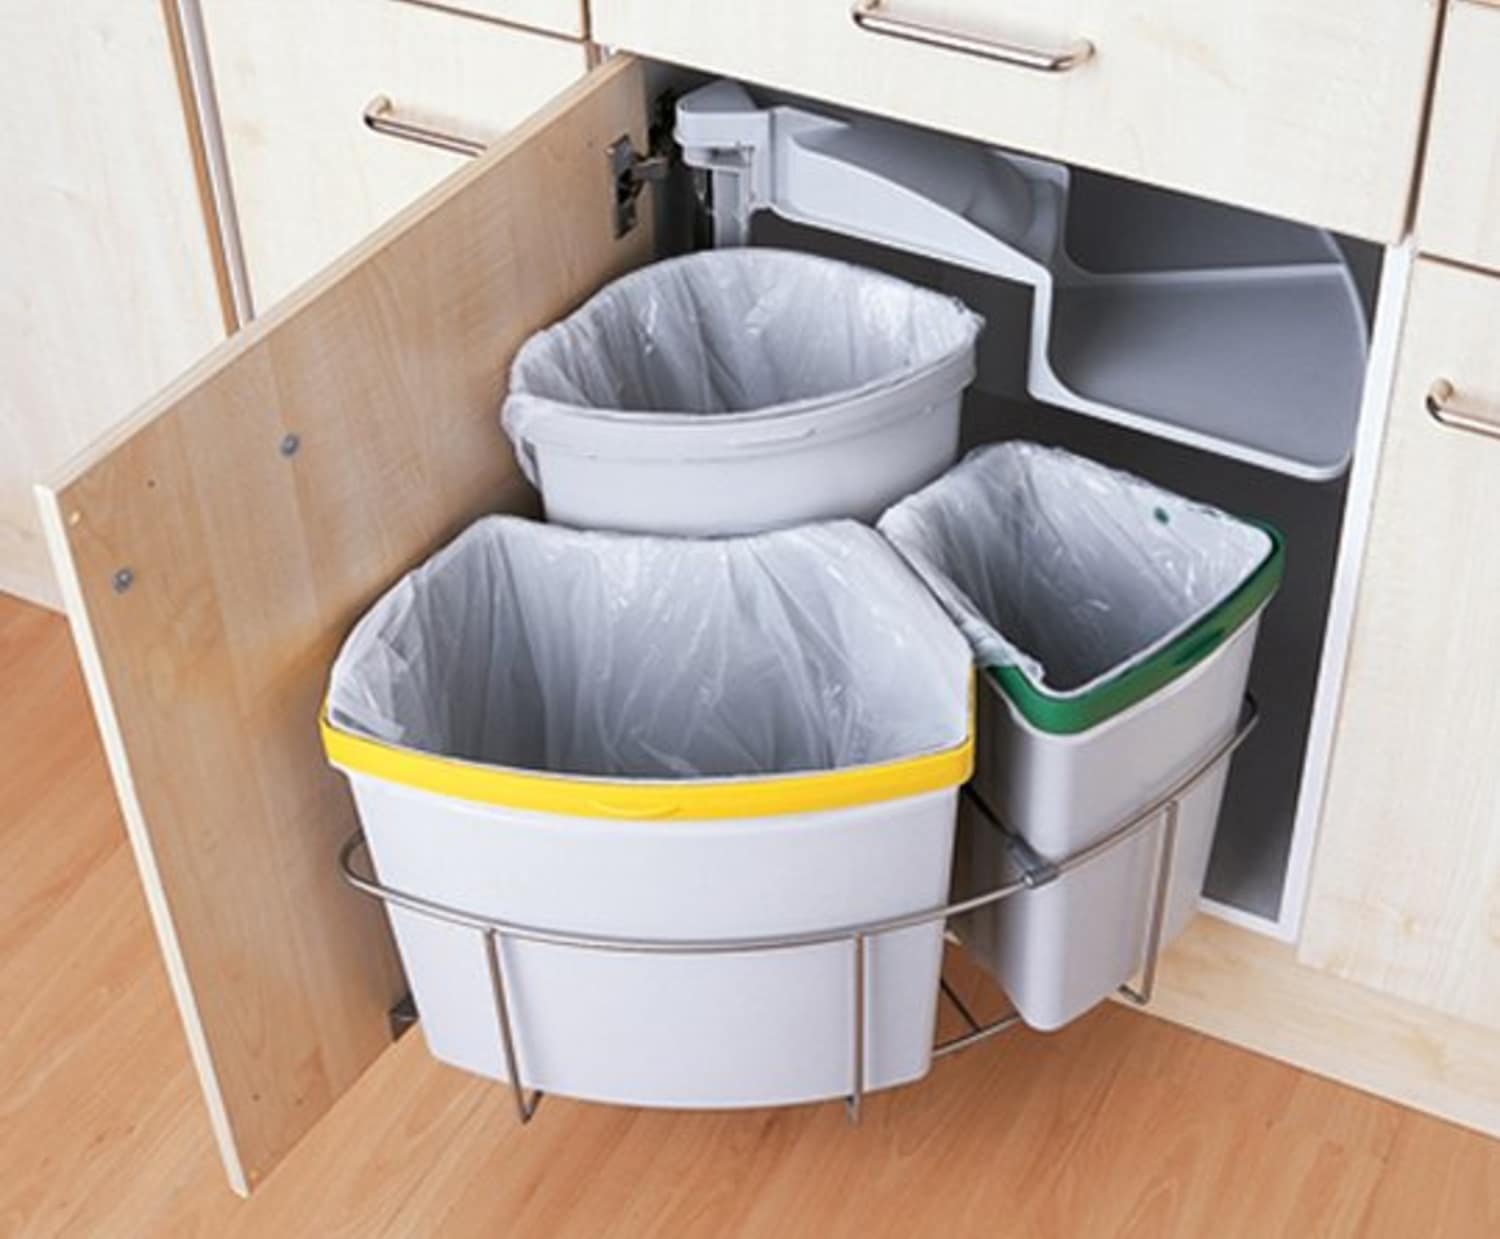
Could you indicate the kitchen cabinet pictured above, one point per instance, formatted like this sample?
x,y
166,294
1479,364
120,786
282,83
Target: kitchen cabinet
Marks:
x,y
1459,214
558,16
1311,111
310,178
110,284
247,560
1405,895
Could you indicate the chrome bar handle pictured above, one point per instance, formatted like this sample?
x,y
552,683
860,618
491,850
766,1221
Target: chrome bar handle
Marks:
x,y
1448,407
380,115
854,1105
871,16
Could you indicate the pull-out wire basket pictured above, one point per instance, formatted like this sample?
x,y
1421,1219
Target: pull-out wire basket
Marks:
x,y
1035,872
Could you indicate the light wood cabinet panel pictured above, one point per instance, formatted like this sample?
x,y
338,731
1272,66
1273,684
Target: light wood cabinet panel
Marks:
x,y
310,179
108,286
566,17
248,565
1459,215
1405,894
1250,990
1311,111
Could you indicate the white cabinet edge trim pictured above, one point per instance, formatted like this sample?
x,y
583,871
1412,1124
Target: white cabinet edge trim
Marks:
x,y
1359,501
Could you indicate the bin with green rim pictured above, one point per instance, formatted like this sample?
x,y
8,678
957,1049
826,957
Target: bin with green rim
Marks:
x,y
1115,624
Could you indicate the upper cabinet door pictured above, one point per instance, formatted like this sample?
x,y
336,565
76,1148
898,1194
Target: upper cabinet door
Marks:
x,y
107,285
294,80
1310,111
1459,216
217,548
1405,894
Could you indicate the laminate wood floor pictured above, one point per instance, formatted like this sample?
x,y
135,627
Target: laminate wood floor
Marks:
x,y
1120,1125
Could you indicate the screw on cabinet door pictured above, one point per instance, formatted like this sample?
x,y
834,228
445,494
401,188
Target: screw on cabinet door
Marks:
x,y
289,445
123,579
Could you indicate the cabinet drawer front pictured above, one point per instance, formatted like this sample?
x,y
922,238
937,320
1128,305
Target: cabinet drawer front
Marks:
x,y
559,16
1310,111
215,550
294,80
1405,894
1460,213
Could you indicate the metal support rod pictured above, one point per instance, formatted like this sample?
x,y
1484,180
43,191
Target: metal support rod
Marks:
x,y
982,1033
1164,809
782,942
525,1104
857,1094
952,996
1142,996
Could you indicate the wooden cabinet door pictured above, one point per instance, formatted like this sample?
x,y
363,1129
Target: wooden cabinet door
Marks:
x,y
216,548
1459,217
311,180
1312,111
1405,895
107,285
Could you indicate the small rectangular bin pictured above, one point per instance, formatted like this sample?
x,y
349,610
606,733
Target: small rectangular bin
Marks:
x,y
624,739
1115,624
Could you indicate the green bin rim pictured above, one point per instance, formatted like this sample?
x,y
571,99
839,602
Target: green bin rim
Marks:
x,y
1069,714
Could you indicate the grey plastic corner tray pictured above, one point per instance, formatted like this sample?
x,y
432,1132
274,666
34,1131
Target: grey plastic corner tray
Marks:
x,y
1232,332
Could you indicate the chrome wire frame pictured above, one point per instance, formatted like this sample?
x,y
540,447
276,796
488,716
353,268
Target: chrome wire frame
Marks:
x,y
1036,873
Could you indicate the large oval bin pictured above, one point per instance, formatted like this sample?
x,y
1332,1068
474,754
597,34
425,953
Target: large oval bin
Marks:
x,y
739,390
1115,624
648,738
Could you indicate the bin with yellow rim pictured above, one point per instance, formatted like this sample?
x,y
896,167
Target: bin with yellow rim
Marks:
x,y
649,738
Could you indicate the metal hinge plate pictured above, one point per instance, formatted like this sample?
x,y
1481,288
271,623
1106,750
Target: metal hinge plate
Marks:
x,y
403,1016
630,171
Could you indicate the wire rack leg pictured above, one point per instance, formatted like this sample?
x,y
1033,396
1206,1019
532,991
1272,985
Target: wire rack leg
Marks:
x,y
526,1103
959,1005
855,1104
1141,997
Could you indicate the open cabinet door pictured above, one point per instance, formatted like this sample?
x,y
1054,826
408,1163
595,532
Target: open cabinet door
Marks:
x,y
215,550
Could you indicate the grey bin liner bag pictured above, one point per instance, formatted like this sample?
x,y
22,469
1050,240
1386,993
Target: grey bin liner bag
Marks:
x,y
542,648
1066,569
736,331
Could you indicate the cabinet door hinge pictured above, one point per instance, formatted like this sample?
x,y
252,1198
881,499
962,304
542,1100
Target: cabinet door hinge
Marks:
x,y
630,171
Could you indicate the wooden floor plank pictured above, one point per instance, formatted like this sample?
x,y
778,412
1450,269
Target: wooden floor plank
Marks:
x,y
1120,1125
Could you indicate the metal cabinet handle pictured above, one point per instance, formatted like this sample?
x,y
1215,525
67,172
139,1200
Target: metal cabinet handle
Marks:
x,y
1448,407
380,115
870,16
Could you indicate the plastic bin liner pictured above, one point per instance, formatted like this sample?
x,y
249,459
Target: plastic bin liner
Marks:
x,y
550,649
736,331
1067,570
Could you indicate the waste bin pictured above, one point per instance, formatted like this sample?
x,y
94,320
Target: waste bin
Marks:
x,y
638,737
740,390
1114,623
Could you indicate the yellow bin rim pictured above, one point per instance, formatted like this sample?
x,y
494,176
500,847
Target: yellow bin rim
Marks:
x,y
649,799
